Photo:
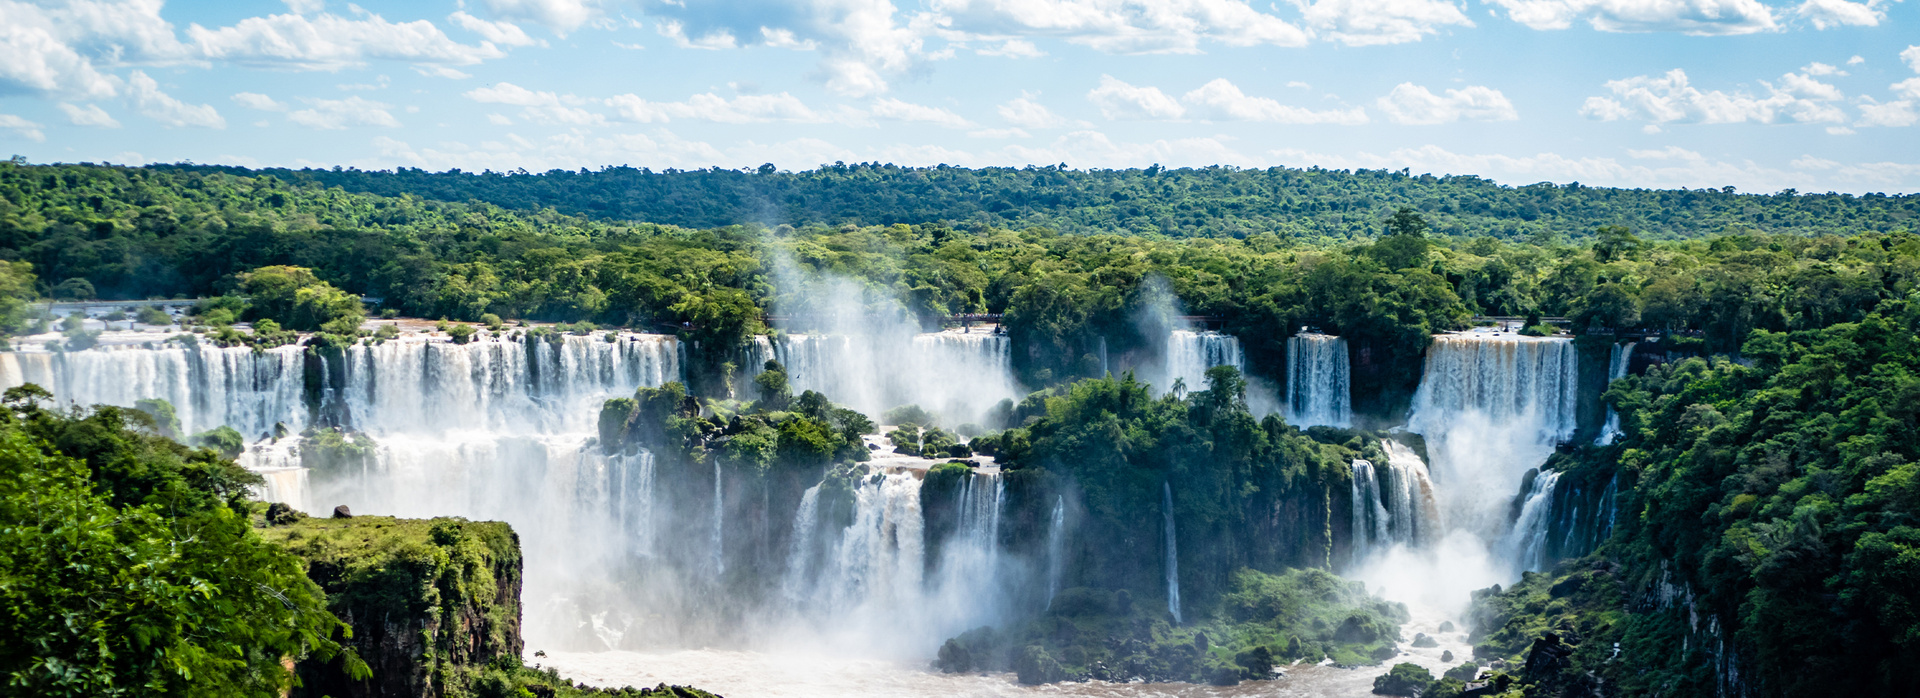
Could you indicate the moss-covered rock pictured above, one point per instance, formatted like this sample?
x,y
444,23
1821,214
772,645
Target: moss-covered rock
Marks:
x,y
432,603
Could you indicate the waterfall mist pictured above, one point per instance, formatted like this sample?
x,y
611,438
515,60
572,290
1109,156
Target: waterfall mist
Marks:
x,y
1491,408
859,346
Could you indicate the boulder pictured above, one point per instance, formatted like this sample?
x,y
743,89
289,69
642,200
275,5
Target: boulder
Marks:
x,y
342,512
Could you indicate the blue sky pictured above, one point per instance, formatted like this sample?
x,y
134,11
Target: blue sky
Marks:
x,y
1815,95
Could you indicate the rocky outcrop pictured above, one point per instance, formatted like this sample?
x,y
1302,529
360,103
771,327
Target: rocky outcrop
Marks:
x,y
432,603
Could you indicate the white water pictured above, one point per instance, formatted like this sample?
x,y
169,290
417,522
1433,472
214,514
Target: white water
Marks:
x,y
719,544
955,374
1392,505
1056,547
208,386
1491,407
1190,354
1318,391
1526,545
1617,362
1173,556
800,553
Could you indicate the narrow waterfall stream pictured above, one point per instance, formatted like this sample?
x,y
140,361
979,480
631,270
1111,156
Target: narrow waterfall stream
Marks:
x,y
1056,547
1318,386
1618,361
1173,556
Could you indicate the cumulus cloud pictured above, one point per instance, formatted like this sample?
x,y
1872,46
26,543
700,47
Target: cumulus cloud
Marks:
x,y
1140,26
255,100
1912,57
1827,14
147,99
1013,48
560,16
1672,167
1367,22
1221,100
90,115
540,107
22,127
335,114
743,109
676,32
1671,98
1119,100
331,42
1412,104
1699,17
1024,111
503,33
1896,113
897,110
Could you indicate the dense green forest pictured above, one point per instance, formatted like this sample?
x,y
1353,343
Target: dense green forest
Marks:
x,y
110,232
1312,204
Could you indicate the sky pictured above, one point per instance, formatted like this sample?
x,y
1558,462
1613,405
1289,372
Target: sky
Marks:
x,y
1811,95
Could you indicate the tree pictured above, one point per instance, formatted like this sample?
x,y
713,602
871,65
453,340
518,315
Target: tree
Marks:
x,y
133,571
1405,244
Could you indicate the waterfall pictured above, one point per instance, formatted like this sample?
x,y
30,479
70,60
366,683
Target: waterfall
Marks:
x,y
1317,381
800,554
633,507
959,375
1369,515
1056,547
1173,555
1492,407
207,386
1190,354
1392,505
719,521
1526,545
977,539
1617,363
877,568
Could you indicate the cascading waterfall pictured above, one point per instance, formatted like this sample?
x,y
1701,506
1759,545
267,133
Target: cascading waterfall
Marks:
x,y
719,520
876,570
1369,515
1492,407
1056,547
801,553
1190,354
1526,545
958,374
633,507
208,386
1394,504
1173,555
1318,391
1617,362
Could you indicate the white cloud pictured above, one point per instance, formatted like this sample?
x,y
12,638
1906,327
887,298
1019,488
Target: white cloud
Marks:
x,y
151,102
302,7
1699,17
1670,98
1119,100
255,100
35,56
1412,104
1894,114
1856,60
499,120
441,71
1672,152
1156,26
502,33
1909,88
1670,168
1818,68
90,115
889,108
1827,14
1024,111
560,16
26,129
1369,22
1912,57
785,38
331,42
541,107
744,109
714,40
335,114
1221,100
1014,48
